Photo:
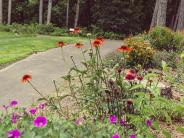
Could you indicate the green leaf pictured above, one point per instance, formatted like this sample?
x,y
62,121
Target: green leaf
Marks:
x,y
155,125
180,129
166,133
136,87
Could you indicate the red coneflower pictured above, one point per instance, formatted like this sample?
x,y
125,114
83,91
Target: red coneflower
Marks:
x,y
60,44
129,101
77,30
100,38
26,78
131,75
79,45
97,43
124,48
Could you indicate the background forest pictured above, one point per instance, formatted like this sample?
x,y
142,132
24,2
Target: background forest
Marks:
x,y
120,16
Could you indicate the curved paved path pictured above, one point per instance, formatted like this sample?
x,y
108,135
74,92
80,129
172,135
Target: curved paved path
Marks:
x,y
44,68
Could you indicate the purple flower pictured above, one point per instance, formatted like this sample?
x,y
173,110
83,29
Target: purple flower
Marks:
x,y
116,135
41,106
79,121
33,111
132,136
122,122
13,103
112,119
14,118
40,121
15,133
149,123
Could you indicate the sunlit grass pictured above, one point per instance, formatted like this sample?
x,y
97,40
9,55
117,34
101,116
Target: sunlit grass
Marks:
x,y
14,47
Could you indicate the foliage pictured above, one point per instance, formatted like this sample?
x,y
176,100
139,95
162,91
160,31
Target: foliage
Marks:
x,y
142,53
163,38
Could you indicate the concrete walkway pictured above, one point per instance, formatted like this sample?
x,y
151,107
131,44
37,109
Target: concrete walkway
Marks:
x,y
44,68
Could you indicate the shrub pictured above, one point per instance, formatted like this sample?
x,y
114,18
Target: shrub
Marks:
x,y
142,53
163,38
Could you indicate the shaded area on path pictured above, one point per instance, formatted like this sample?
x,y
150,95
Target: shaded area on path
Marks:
x,y
44,68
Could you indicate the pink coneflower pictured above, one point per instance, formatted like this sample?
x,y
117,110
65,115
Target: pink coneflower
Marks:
x,y
15,133
40,121
149,123
14,118
41,106
130,77
13,103
132,136
33,110
116,135
79,121
122,122
112,119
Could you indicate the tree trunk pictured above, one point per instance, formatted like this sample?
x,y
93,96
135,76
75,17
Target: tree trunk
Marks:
x,y
180,24
49,11
176,18
9,11
67,13
41,12
162,11
155,14
1,11
77,13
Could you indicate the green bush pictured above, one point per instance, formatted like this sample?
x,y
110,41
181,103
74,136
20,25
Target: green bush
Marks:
x,y
142,53
163,38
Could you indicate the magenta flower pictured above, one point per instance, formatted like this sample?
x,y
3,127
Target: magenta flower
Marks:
x,y
15,133
116,135
130,77
33,111
132,136
40,121
79,121
41,106
112,119
149,123
14,118
122,122
13,103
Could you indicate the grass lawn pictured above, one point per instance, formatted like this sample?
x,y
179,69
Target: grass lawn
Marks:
x,y
14,47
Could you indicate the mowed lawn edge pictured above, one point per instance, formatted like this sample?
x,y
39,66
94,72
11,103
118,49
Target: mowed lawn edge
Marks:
x,y
14,47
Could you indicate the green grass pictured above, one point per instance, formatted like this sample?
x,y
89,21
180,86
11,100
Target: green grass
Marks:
x,y
14,47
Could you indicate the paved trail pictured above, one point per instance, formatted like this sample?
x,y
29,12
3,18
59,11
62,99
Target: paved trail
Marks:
x,y
44,68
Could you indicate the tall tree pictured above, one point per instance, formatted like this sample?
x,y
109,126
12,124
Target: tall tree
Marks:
x,y
49,11
155,13
162,12
180,22
67,12
9,11
77,13
1,11
41,12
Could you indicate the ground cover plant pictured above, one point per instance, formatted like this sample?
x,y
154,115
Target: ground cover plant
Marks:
x,y
120,101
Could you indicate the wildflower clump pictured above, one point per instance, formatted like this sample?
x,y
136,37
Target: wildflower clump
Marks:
x,y
141,52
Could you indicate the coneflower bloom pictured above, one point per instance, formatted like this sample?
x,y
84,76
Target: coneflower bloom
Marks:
x,y
100,38
13,103
97,43
79,45
77,30
40,121
132,136
130,77
60,44
33,110
149,123
15,133
129,101
26,78
14,118
112,119
116,135
124,48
